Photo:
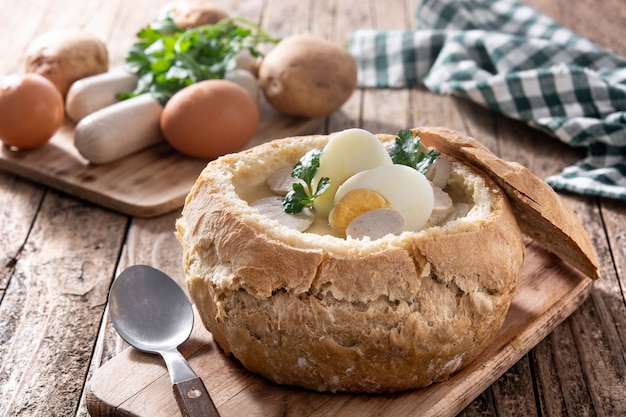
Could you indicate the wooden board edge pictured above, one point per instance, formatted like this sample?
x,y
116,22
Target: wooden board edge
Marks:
x,y
508,354
103,200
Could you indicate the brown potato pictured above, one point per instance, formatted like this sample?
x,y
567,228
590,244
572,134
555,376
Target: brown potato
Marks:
x,y
64,56
192,13
307,76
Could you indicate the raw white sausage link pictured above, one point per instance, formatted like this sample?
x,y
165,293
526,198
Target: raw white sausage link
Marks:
x,y
119,130
90,94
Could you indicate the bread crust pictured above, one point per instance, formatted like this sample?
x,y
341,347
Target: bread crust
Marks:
x,y
331,314
540,211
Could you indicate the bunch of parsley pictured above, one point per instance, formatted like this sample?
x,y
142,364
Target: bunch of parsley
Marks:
x,y
167,58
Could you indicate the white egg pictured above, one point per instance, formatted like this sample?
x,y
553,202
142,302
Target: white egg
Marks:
x,y
245,79
347,152
405,189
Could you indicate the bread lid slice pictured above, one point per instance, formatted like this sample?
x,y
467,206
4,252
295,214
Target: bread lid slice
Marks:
x,y
541,213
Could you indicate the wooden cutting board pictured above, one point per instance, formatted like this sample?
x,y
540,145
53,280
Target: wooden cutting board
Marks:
x,y
137,384
146,184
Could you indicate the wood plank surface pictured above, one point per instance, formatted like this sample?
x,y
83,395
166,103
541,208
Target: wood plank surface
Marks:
x,y
137,384
60,253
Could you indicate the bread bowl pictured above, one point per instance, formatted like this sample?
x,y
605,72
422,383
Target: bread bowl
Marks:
x,y
340,314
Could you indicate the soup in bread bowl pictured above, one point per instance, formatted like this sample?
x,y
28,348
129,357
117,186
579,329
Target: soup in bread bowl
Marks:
x,y
308,303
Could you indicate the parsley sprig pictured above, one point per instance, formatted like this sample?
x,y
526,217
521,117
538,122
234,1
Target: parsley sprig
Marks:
x,y
167,58
405,151
299,197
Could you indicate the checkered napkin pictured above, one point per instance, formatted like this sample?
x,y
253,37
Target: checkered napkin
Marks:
x,y
509,58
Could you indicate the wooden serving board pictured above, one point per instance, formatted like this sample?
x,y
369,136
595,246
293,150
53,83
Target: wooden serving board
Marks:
x,y
137,384
146,184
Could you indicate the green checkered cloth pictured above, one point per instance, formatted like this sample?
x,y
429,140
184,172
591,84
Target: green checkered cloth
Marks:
x,y
512,59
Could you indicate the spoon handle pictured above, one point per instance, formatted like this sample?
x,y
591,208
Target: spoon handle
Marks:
x,y
193,399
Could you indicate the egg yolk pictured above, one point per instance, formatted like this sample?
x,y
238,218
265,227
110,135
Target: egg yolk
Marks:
x,y
352,205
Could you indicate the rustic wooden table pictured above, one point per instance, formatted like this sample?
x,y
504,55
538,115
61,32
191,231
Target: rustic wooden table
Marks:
x,y
59,254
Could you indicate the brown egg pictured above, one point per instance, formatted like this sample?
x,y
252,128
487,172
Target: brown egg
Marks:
x,y
31,110
210,119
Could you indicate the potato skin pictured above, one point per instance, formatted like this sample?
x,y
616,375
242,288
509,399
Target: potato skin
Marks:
x,y
307,76
64,56
193,13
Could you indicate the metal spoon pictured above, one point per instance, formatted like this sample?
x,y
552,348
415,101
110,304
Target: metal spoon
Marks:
x,y
153,314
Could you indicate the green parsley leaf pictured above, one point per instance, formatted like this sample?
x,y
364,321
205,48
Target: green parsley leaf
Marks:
x,y
405,151
300,197
425,161
167,58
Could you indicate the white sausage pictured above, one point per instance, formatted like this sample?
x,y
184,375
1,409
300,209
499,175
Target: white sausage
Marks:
x,y
119,130
376,224
439,172
272,207
281,182
93,93
442,208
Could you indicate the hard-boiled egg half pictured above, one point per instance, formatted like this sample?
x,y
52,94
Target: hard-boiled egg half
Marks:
x,y
348,152
402,187
363,178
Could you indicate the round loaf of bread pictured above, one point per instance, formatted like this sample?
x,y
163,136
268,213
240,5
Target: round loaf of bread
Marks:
x,y
334,314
